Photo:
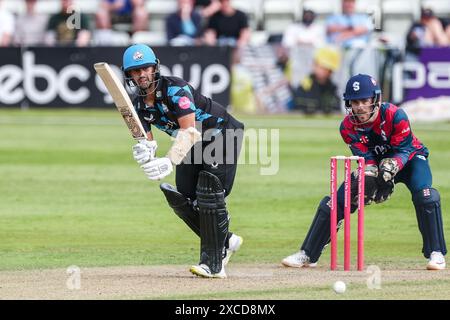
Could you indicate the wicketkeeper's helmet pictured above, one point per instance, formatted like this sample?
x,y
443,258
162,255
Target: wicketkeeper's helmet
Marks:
x,y
362,86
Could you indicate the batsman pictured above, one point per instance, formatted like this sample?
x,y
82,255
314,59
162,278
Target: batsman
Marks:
x,y
380,132
204,158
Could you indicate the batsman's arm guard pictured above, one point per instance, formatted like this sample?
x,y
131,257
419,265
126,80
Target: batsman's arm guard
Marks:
x,y
184,141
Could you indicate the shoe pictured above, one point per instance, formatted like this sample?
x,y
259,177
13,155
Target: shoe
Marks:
x,y
202,270
298,260
234,243
437,261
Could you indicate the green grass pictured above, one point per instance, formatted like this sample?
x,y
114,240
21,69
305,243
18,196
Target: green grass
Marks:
x,y
71,193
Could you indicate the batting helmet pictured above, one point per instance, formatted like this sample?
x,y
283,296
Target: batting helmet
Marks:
x,y
139,56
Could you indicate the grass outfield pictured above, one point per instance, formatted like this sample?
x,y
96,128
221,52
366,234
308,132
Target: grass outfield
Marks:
x,y
71,194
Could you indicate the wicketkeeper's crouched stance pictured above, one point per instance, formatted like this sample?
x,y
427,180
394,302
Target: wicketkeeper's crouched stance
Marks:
x,y
380,132
205,158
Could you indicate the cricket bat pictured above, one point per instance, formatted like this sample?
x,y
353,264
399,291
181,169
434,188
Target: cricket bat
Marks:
x,y
121,100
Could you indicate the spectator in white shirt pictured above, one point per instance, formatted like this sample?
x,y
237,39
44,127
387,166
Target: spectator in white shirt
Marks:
x,y
307,32
6,26
30,26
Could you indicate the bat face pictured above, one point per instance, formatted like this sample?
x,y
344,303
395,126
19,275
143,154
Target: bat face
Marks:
x,y
121,100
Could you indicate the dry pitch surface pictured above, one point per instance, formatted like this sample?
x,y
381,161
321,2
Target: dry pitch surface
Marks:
x,y
245,281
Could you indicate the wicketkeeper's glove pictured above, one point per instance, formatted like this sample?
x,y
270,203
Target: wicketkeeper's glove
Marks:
x,y
370,185
387,171
384,192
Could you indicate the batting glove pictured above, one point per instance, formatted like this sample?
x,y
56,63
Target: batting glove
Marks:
x,y
158,168
144,151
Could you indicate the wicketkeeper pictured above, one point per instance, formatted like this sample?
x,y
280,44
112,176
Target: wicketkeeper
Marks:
x,y
380,132
207,141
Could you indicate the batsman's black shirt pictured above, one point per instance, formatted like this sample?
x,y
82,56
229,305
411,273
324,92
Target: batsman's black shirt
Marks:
x,y
175,98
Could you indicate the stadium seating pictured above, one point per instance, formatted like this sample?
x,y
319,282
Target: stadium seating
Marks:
x,y
322,8
158,11
398,16
88,6
252,9
110,38
278,14
153,38
52,6
440,8
268,17
259,37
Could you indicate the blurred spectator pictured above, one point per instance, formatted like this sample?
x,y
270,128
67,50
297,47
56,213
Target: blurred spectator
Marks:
x,y
447,31
428,32
184,26
207,7
349,29
68,27
6,26
30,26
132,12
306,32
229,26
317,92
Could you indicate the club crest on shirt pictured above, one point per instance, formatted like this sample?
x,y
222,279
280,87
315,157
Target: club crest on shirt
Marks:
x,y
364,139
